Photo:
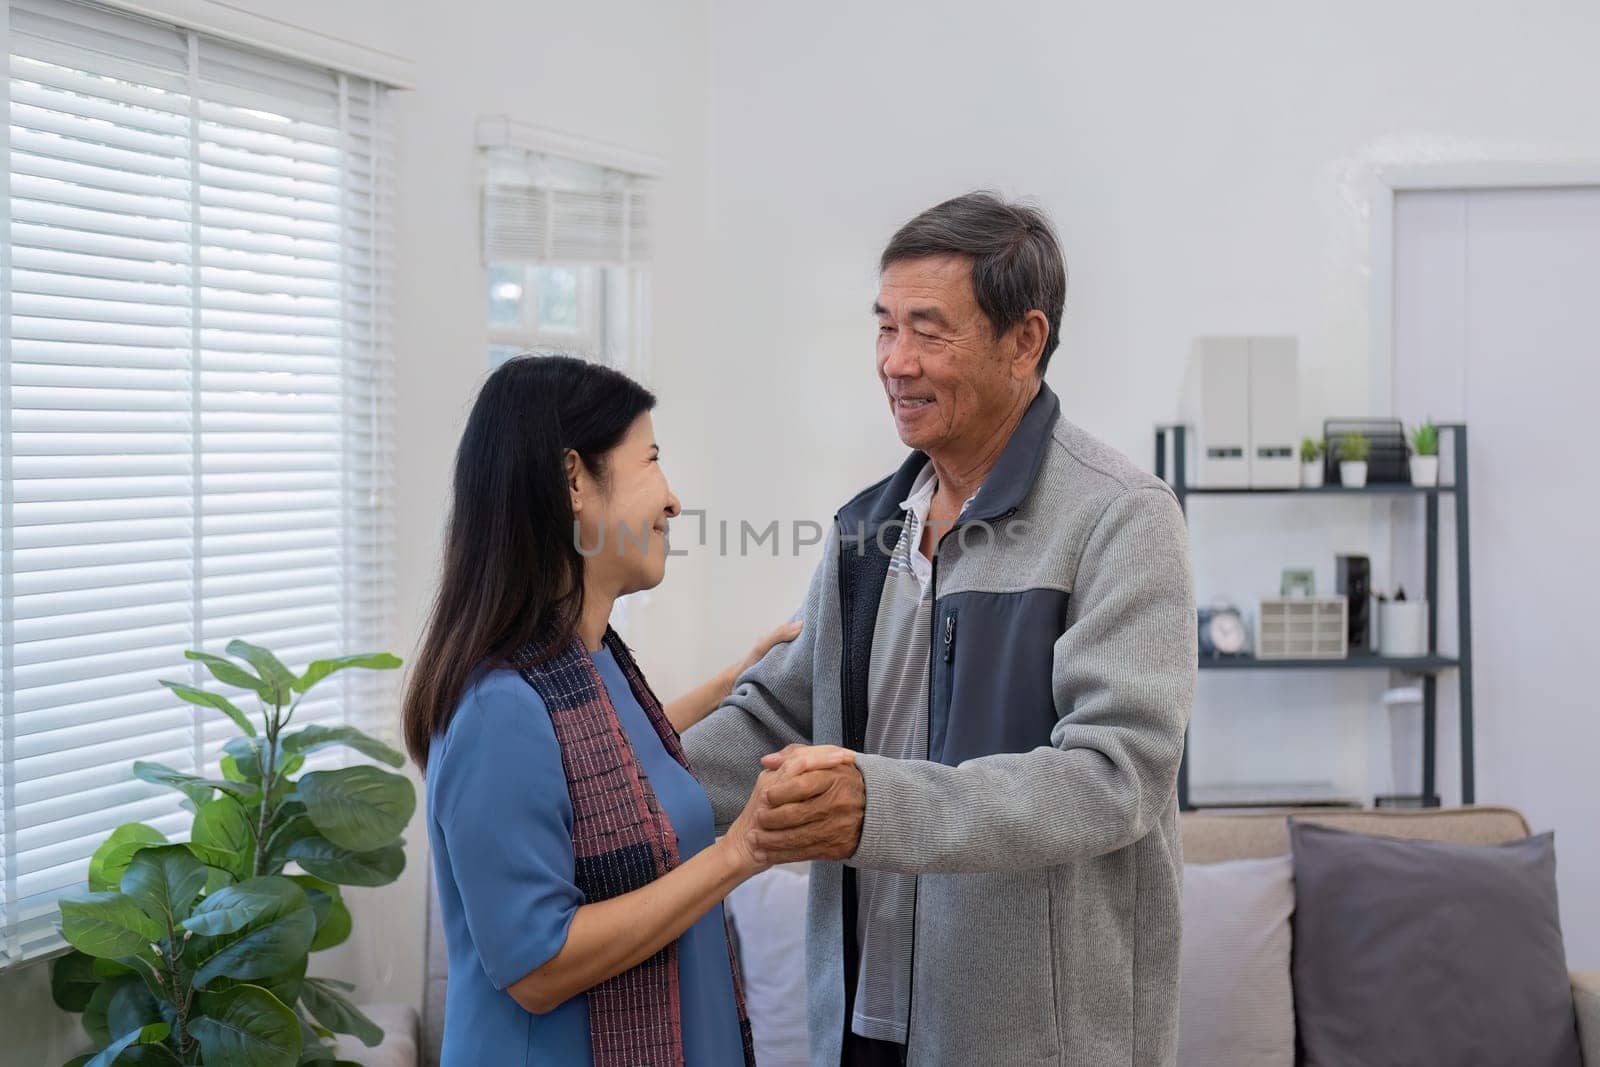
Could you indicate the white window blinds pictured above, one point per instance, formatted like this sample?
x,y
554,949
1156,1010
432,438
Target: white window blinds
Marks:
x,y
195,407
539,208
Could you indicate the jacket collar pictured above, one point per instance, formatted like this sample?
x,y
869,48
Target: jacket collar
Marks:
x,y
1007,485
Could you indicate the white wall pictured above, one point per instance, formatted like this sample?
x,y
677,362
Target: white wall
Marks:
x,y
629,72
1207,166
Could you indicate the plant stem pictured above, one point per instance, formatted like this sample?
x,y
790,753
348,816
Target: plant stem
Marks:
x,y
177,996
268,773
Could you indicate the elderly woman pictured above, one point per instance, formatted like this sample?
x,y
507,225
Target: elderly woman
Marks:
x,y
579,882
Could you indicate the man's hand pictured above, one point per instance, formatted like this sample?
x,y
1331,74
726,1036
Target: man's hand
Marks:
x,y
811,805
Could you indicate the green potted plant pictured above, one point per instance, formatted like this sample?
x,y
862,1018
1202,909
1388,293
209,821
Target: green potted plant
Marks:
x,y
1311,451
196,952
1354,449
1425,454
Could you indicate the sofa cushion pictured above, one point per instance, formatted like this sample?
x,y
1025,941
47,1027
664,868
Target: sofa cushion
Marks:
x,y
1214,837
1236,1005
768,915
1411,952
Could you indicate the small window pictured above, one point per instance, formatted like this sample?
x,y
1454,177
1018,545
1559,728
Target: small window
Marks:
x,y
566,250
545,307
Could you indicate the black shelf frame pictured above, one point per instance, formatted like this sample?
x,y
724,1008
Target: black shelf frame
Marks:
x,y
1370,489
1429,666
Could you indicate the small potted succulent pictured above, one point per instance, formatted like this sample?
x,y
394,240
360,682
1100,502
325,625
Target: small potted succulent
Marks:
x,y
1311,451
1353,452
1425,454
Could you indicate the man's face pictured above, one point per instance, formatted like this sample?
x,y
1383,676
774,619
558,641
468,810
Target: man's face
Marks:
x,y
948,379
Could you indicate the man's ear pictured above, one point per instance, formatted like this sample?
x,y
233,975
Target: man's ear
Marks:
x,y
1030,336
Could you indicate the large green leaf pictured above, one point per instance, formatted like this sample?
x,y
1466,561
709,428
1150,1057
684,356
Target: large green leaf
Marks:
x,y
279,679
313,1053
312,1027
212,700
222,828
164,881
335,929
359,808
288,985
256,929
292,824
228,672
233,908
219,862
333,917
246,1026
132,1006
328,861
145,1035
104,969
108,925
246,753
284,986
330,1008
319,894
116,851
94,1013
73,981
196,789
230,769
320,669
317,736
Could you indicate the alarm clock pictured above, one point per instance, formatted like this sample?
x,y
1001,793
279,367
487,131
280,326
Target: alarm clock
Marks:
x,y
1222,631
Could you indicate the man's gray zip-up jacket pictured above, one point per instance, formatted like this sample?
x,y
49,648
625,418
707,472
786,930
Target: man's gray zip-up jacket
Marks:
x,y
1043,826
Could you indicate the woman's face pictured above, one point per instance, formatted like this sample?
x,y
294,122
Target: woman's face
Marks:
x,y
622,524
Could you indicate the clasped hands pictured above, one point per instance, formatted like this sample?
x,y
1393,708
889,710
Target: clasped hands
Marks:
x,y
807,804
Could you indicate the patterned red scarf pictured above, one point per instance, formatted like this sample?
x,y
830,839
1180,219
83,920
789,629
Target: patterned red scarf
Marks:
x,y
622,840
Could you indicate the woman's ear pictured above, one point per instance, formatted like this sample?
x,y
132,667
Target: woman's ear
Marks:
x,y
575,474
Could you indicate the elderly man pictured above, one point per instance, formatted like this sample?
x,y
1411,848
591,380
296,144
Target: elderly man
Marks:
x,y
1003,632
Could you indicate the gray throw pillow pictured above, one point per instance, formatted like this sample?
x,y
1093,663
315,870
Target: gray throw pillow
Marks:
x,y
1235,1004
1422,952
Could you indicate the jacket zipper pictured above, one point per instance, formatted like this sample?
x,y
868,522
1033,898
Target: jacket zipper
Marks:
x,y
949,657
949,652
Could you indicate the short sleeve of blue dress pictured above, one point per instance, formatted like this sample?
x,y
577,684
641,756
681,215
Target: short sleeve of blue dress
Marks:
x,y
500,822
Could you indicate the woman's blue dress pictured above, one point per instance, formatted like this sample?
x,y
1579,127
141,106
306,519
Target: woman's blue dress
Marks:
x,y
500,822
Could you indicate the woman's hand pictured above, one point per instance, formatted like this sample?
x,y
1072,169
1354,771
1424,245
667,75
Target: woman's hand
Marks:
x,y
706,697
783,634
737,841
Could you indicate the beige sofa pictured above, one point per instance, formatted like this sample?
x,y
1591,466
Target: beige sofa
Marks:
x,y
1207,838
1210,837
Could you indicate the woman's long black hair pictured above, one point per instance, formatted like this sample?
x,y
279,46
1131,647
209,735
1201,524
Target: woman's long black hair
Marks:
x,y
512,573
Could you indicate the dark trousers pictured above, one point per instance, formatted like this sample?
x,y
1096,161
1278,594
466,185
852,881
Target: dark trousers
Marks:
x,y
866,1052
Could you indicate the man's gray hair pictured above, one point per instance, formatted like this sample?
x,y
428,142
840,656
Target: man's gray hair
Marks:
x,y
1017,265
